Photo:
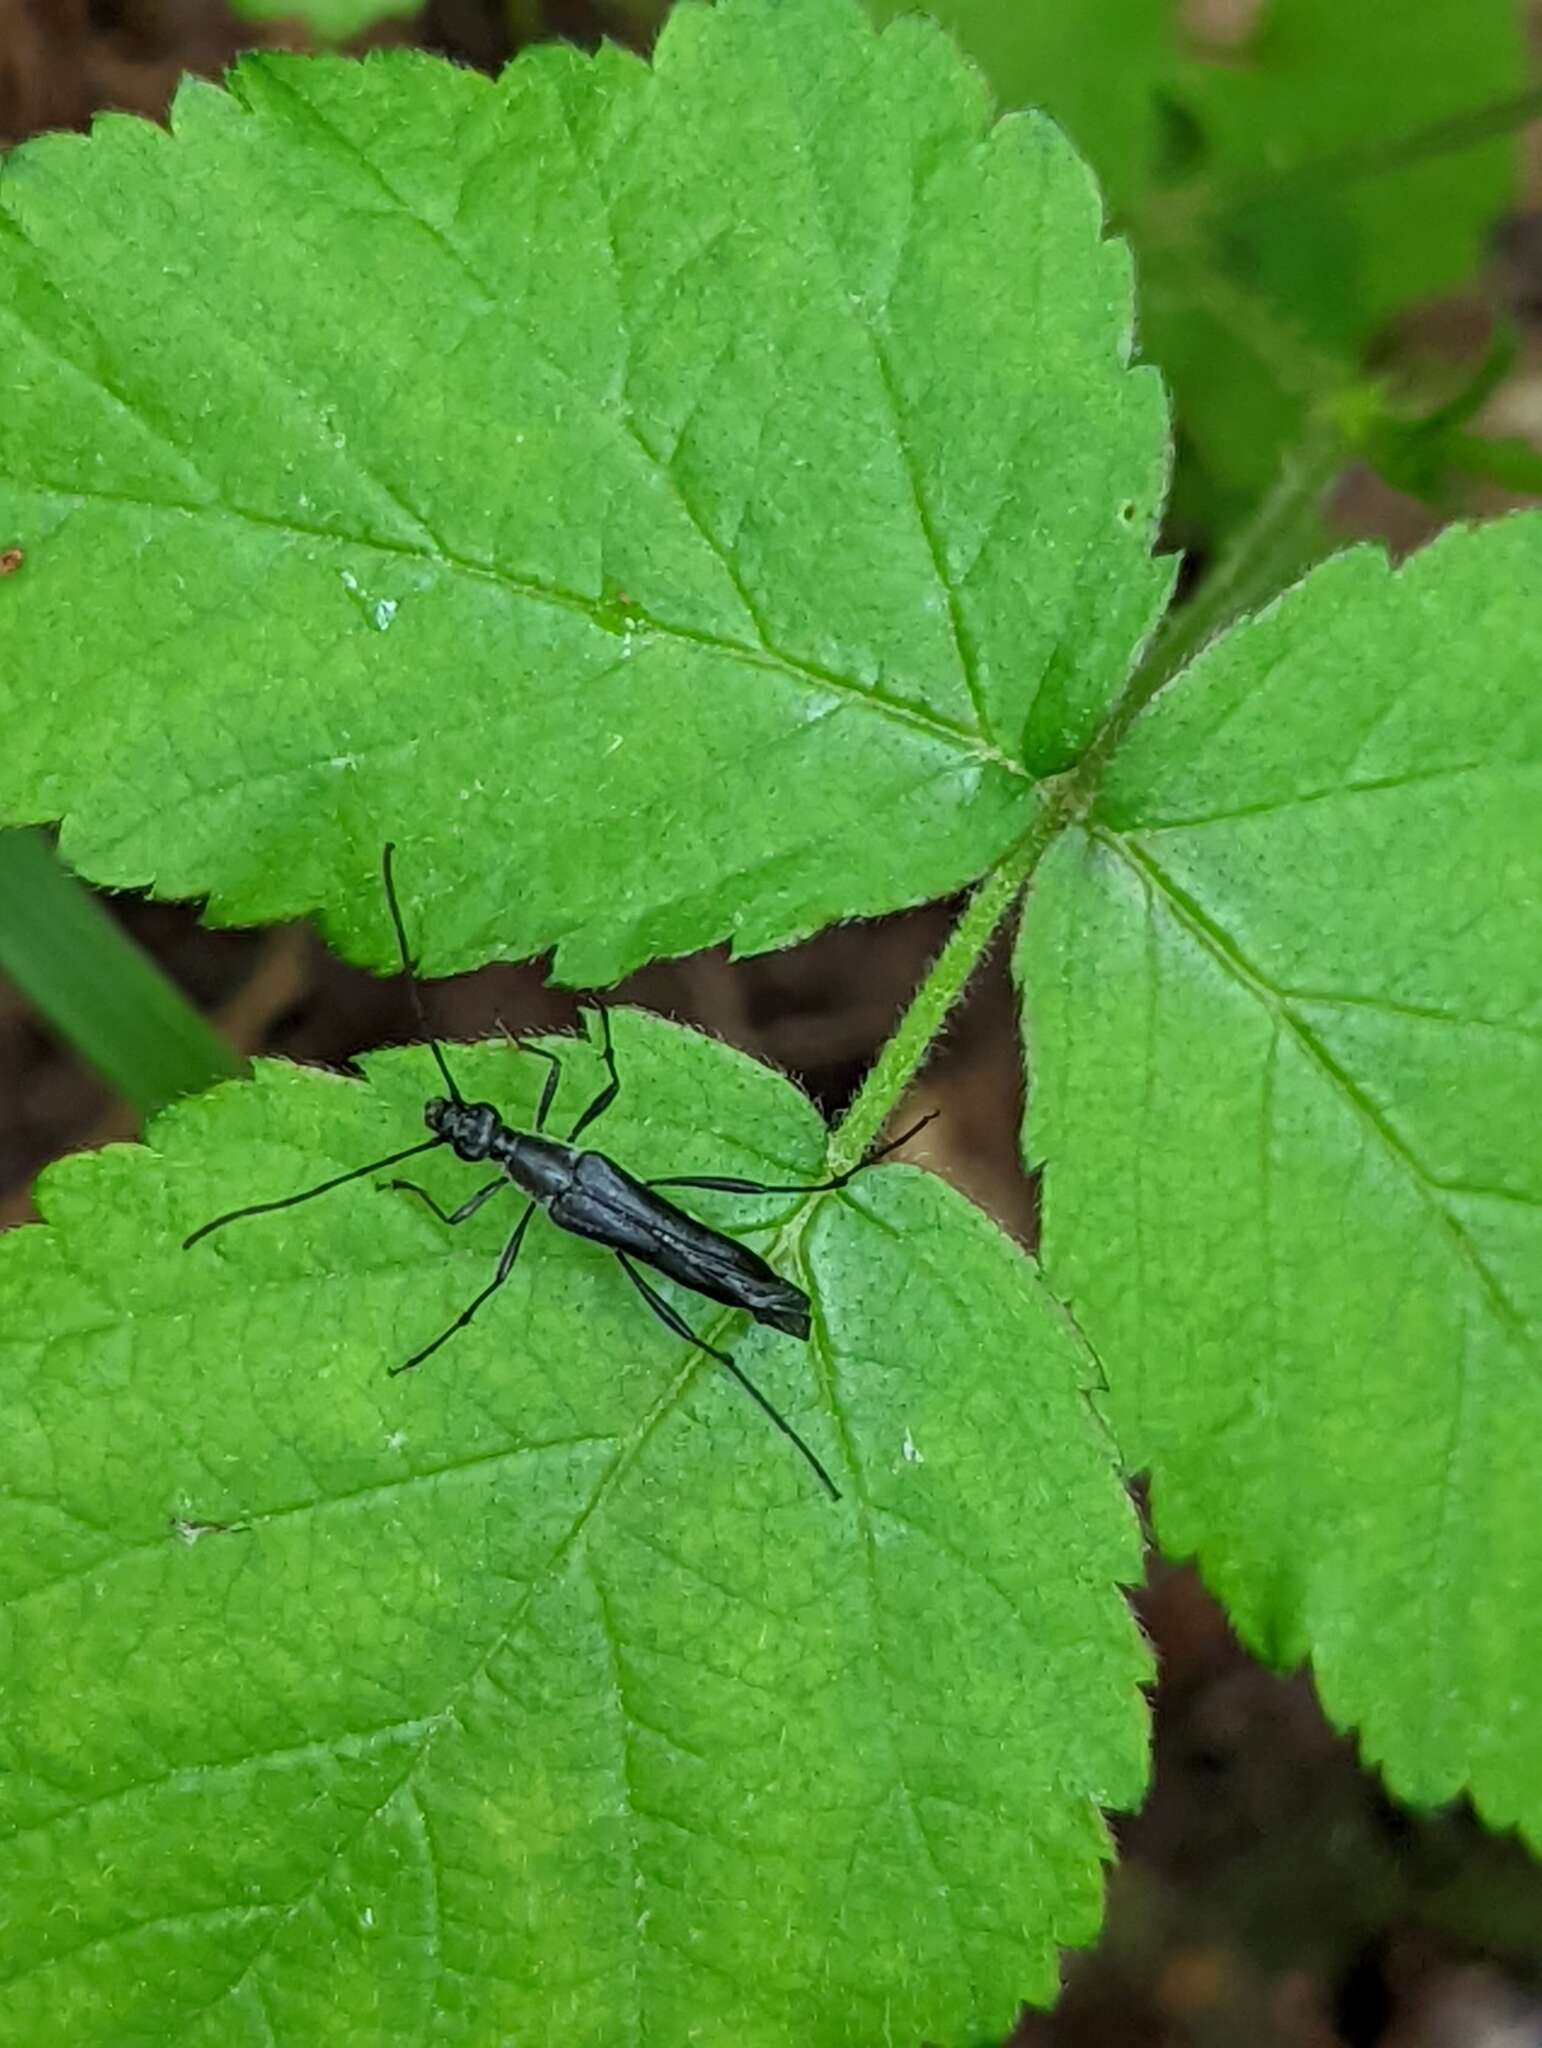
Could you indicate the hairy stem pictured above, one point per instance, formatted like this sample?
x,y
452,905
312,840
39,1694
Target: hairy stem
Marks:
x,y
1268,554
1274,549
950,973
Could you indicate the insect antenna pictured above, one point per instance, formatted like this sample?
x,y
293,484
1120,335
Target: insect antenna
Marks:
x,y
307,1194
410,969
904,1138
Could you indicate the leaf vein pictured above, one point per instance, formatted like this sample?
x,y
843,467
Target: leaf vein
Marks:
x,y
932,724
1225,951
823,1350
1271,806
806,158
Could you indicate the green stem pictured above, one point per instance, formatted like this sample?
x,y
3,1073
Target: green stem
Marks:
x,y
1269,553
1441,138
950,973
1274,549
1264,330
1513,464
96,987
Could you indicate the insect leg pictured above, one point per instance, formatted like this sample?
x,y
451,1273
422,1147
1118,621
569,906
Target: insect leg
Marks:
x,y
725,1185
612,1088
451,1216
410,969
305,1195
673,1320
553,1080
505,1268
549,1092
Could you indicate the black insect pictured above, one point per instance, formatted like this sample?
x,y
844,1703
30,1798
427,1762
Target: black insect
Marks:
x,y
590,1195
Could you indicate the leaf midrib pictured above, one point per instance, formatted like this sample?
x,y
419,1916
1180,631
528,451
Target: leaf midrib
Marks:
x,y
807,675
972,741
978,738
609,1479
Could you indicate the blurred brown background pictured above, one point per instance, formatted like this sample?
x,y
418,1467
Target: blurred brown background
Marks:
x,y
1269,1894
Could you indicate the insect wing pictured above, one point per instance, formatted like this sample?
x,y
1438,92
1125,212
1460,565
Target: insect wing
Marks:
x,y
607,1204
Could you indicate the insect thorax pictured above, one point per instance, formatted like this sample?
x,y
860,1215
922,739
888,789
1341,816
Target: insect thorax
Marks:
x,y
471,1128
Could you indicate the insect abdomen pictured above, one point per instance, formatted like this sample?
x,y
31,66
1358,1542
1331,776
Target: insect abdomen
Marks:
x,y
789,1311
607,1204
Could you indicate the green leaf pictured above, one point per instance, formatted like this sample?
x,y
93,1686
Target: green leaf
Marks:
x,y
1097,67
1244,385
673,504
333,20
1319,225
1327,215
538,1694
1277,215
1284,1013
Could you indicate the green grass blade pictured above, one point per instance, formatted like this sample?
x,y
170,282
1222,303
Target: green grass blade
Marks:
x,y
96,987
